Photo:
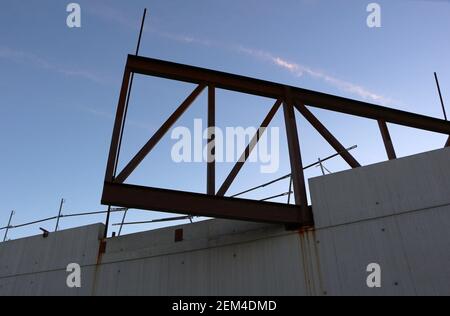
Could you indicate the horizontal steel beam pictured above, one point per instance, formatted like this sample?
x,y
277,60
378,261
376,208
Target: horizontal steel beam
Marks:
x,y
227,81
169,201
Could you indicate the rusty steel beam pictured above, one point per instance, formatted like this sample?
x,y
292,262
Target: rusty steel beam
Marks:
x,y
390,150
134,163
327,135
211,147
210,205
138,197
295,157
246,154
222,80
118,125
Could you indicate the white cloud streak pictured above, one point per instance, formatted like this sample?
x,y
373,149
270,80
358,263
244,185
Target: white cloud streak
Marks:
x,y
296,69
299,70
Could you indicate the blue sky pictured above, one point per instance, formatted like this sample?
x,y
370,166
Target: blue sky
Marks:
x,y
59,87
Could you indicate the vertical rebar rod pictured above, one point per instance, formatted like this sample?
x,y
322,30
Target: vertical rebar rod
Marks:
x,y
321,167
59,215
125,117
129,92
123,221
9,225
290,189
108,216
440,96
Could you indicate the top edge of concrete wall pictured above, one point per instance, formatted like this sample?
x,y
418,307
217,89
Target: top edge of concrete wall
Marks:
x,y
408,184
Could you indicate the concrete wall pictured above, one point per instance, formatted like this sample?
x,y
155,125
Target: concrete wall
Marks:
x,y
396,214
37,265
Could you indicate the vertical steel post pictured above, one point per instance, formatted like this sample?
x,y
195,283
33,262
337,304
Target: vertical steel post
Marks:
x,y
108,216
9,226
127,81
211,150
298,176
59,214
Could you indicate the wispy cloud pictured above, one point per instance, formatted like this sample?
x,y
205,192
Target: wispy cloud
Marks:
x,y
300,70
30,59
296,69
